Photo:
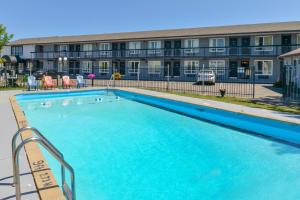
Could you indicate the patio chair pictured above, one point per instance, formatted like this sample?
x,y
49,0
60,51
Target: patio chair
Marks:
x,y
48,82
67,82
32,83
80,81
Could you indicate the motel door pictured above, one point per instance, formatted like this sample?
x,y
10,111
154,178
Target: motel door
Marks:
x,y
119,67
174,68
168,64
286,41
233,43
74,67
233,67
245,46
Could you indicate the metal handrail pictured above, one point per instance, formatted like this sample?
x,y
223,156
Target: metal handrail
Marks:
x,y
40,135
48,146
109,81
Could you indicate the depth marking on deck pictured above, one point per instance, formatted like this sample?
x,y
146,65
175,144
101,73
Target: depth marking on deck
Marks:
x,y
44,180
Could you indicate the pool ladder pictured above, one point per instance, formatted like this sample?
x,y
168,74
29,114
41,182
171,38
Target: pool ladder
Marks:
x,y
109,82
41,139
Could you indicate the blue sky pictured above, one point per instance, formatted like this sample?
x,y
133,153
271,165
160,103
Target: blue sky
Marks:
x,y
31,18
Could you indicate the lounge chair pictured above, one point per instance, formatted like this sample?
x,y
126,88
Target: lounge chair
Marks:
x,y
32,83
80,81
67,82
48,82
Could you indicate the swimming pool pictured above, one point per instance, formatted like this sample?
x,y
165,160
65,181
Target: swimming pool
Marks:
x,y
141,147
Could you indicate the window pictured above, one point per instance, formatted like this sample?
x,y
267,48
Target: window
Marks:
x,y
154,67
87,47
191,66
87,66
134,48
298,40
191,46
154,47
104,49
63,47
154,44
191,43
104,46
103,67
264,67
264,43
216,44
287,61
134,45
218,66
133,67
17,50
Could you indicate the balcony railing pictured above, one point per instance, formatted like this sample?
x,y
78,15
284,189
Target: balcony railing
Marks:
x,y
262,51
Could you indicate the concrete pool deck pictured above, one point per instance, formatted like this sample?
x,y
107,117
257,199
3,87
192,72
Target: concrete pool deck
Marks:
x,y
9,127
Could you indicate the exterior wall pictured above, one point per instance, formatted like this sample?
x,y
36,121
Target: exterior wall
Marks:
x,y
203,42
27,49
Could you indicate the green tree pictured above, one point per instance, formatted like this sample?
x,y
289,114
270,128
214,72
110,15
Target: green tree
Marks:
x,y
4,38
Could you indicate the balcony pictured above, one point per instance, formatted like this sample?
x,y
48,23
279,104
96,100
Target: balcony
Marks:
x,y
205,52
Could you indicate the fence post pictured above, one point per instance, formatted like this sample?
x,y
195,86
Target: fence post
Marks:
x,y
168,77
253,82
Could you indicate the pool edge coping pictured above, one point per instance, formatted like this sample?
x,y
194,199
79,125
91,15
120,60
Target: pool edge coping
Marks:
x,y
288,120
44,179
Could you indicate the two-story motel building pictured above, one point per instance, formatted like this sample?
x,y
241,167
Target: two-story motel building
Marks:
x,y
237,49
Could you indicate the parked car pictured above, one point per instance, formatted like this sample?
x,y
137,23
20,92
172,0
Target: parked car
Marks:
x,y
206,76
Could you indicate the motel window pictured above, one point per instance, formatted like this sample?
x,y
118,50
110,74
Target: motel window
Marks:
x,y
134,48
104,46
103,67
87,66
264,43
264,67
133,67
218,66
191,43
154,67
134,45
154,44
17,50
63,48
287,61
87,47
154,47
191,66
216,44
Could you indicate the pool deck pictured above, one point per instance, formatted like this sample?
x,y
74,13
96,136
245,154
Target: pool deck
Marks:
x,y
9,127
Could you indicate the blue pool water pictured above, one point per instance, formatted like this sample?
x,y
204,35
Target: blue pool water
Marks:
x,y
126,149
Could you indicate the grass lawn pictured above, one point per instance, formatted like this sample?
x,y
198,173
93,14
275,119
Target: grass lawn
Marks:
x,y
12,88
239,101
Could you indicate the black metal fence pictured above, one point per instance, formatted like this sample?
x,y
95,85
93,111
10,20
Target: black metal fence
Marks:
x,y
291,84
238,82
